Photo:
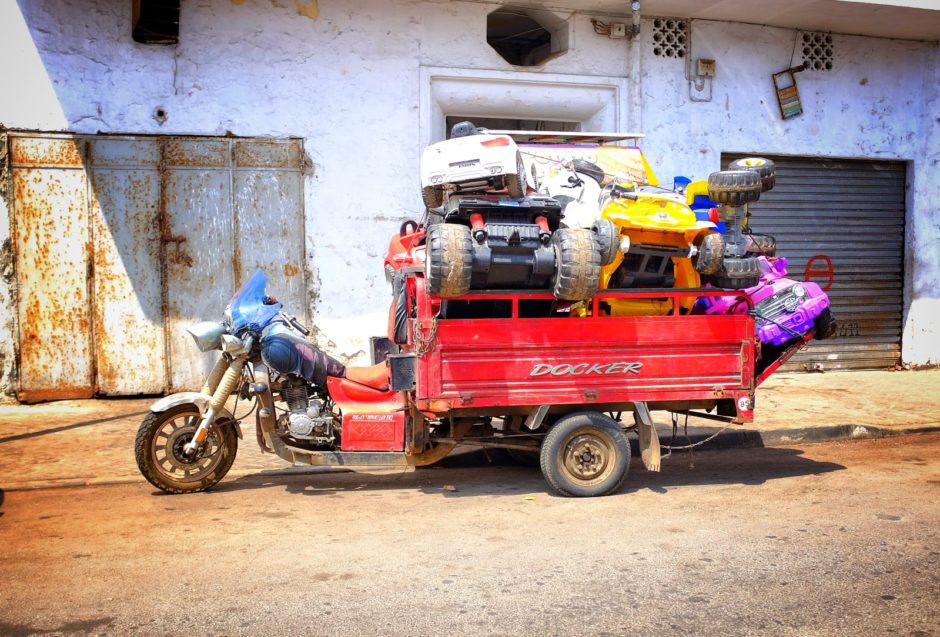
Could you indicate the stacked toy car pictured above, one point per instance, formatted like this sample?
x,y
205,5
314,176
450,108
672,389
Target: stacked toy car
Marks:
x,y
487,228
490,226
653,237
784,309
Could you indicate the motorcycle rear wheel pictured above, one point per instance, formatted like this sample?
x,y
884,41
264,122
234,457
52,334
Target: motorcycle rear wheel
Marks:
x,y
159,451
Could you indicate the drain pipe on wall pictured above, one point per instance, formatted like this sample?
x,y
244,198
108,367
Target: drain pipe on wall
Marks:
x,y
634,117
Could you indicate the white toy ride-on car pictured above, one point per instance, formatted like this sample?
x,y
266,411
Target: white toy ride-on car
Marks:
x,y
472,161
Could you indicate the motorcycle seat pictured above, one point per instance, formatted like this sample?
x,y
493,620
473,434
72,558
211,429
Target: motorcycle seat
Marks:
x,y
375,376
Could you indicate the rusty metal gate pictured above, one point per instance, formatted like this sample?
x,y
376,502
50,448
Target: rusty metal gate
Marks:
x,y
121,242
842,222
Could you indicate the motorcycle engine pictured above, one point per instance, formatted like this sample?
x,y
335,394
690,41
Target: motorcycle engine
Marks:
x,y
306,419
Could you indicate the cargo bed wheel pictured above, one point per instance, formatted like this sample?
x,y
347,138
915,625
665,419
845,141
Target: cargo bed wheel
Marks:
x,y
734,187
449,262
577,264
585,454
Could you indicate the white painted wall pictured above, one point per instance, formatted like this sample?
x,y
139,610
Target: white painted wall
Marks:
x,y
921,336
880,101
347,78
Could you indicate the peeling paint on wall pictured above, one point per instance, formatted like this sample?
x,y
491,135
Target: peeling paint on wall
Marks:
x,y
8,329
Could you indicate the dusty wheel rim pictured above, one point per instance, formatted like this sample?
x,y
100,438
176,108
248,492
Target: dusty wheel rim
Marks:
x,y
588,458
166,449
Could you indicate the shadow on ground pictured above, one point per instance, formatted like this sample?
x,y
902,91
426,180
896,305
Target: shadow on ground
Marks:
x,y
68,427
485,473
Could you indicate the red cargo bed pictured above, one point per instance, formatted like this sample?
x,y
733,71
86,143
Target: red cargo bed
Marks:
x,y
513,363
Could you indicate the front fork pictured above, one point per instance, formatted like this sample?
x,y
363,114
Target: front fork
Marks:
x,y
226,385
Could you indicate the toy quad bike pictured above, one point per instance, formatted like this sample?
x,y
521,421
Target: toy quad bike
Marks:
x,y
485,232
490,243
733,190
650,237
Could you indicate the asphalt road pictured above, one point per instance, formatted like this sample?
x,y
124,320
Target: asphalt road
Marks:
x,y
827,539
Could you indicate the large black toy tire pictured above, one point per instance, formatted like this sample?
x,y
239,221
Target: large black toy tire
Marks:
x,y
449,264
825,325
761,244
577,264
710,253
765,168
737,274
734,187
433,196
585,454
607,238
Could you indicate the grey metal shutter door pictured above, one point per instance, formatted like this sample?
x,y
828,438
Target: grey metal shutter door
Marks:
x,y
853,213
122,242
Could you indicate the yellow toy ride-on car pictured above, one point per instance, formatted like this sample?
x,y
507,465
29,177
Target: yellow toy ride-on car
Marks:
x,y
651,239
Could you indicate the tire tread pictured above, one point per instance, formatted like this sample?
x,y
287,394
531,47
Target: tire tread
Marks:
x,y
737,273
142,456
578,264
449,265
734,187
555,437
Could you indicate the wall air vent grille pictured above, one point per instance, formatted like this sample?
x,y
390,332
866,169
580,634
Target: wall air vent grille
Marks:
x,y
670,37
817,51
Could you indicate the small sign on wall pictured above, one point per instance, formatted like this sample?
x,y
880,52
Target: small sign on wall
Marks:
x,y
788,95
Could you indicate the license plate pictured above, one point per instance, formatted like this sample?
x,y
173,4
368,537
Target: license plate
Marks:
x,y
465,164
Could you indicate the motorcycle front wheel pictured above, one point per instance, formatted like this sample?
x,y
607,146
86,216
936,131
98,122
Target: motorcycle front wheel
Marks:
x,y
161,459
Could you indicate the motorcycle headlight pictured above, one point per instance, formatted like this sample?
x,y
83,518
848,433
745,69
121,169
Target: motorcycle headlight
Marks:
x,y
232,344
208,335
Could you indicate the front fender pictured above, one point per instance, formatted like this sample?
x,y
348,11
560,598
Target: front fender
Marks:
x,y
193,398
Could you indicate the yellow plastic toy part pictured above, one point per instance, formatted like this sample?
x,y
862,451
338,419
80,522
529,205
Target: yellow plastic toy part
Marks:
x,y
654,220
694,189
655,212
686,277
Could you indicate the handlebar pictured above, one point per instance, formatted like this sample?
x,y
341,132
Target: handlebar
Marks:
x,y
297,325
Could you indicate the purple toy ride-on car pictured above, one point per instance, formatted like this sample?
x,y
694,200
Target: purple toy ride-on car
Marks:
x,y
784,309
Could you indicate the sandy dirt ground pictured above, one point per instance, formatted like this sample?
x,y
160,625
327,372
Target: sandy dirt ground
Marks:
x,y
88,442
839,538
